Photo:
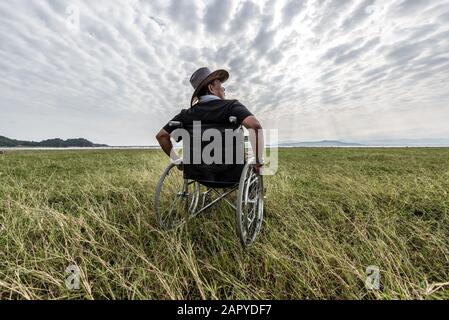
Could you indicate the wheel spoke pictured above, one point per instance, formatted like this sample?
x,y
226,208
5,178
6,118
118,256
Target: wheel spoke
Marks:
x,y
251,216
173,205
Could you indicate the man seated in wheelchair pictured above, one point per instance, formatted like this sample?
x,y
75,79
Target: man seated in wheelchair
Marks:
x,y
213,140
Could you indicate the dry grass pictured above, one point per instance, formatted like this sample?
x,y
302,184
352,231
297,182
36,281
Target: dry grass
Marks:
x,y
330,213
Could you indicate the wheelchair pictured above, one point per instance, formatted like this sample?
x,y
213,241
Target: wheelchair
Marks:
x,y
180,193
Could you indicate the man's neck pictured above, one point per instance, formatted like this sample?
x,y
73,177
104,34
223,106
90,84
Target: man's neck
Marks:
x,y
209,97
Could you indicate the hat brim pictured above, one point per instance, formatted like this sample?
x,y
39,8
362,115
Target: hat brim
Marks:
x,y
220,74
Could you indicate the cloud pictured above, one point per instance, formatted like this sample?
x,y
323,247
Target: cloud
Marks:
x,y
184,13
329,13
264,40
405,51
444,17
292,9
360,13
313,69
358,52
409,7
218,15
248,12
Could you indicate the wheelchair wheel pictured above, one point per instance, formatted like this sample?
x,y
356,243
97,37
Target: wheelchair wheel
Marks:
x,y
249,212
176,198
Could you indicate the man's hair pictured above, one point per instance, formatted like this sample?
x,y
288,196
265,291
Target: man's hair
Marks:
x,y
205,89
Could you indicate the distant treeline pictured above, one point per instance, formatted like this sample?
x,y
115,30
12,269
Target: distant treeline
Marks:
x,y
50,143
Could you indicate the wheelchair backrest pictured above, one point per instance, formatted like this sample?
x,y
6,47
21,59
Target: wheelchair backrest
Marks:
x,y
211,143
213,152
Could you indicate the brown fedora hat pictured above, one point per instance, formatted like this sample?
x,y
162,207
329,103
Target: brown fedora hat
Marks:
x,y
203,76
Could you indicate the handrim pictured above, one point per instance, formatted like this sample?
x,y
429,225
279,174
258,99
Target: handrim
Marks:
x,y
182,192
248,230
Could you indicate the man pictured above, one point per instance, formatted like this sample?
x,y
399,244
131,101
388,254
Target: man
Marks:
x,y
208,105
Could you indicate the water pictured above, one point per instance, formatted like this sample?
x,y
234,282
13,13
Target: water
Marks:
x,y
156,148
75,148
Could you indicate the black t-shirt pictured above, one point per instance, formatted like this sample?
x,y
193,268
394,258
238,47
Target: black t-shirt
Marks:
x,y
214,111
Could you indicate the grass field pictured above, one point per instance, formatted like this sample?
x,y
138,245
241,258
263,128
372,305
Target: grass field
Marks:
x,y
330,213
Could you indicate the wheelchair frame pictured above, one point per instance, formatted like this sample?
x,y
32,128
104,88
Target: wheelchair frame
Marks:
x,y
249,206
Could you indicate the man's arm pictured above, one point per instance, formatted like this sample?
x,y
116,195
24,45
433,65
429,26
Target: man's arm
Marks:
x,y
256,139
163,137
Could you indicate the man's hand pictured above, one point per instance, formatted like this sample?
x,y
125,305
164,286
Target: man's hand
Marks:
x,y
256,140
258,168
179,165
163,137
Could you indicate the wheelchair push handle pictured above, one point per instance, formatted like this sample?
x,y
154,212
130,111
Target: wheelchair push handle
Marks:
x,y
175,124
179,124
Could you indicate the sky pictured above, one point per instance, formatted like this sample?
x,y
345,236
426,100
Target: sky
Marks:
x,y
116,71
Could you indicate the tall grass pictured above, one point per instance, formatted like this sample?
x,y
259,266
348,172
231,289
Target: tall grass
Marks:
x,y
330,213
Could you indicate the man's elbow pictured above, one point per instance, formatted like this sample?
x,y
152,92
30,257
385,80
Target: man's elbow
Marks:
x,y
162,135
257,126
252,123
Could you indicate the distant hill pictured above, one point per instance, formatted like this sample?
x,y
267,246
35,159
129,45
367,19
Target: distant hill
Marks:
x,y
323,143
370,143
424,142
50,143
